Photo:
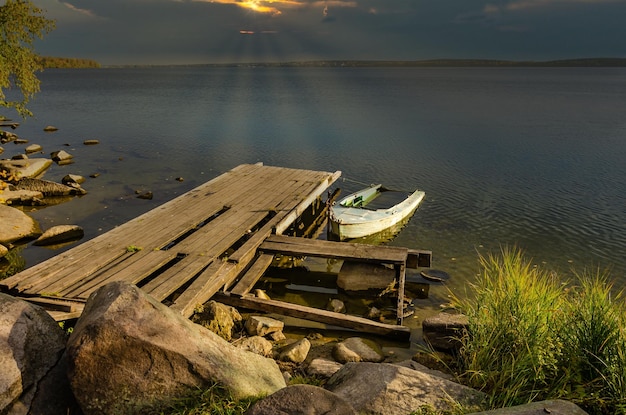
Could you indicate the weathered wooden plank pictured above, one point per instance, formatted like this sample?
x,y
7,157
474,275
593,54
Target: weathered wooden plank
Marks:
x,y
109,245
135,269
216,276
72,268
313,314
53,283
179,274
400,277
245,284
337,250
322,184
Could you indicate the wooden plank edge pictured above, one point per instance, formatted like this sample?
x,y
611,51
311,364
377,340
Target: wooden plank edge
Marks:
x,y
313,314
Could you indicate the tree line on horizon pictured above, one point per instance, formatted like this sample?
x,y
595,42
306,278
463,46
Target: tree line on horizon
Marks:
x,y
56,62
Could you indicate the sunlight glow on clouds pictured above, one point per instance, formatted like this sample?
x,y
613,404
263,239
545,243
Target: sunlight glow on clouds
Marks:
x,y
276,7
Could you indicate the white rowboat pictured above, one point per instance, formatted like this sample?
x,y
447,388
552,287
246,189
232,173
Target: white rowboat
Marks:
x,y
355,216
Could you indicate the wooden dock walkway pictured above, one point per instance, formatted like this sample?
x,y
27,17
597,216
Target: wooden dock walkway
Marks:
x,y
215,237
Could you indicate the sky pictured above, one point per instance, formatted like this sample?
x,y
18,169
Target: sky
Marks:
x,y
115,32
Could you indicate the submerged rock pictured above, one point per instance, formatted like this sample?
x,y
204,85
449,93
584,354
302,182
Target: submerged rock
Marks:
x,y
48,188
59,234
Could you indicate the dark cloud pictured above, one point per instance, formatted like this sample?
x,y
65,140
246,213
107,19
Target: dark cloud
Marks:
x,y
188,31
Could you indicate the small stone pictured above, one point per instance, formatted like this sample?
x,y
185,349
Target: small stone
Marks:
x,y
179,179
295,352
262,326
72,179
94,175
19,157
145,195
60,156
336,306
50,128
33,148
21,141
258,293
91,142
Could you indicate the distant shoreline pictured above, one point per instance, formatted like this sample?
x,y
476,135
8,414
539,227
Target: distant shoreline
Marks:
x,y
463,63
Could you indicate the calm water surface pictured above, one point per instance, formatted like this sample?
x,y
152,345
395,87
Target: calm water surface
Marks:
x,y
530,157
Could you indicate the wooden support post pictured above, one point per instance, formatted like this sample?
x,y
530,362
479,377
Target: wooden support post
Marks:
x,y
400,276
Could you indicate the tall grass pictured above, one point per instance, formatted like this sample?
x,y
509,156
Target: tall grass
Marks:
x,y
531,336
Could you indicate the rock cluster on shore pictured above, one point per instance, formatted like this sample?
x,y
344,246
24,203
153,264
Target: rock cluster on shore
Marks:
x,y
21,185
128,353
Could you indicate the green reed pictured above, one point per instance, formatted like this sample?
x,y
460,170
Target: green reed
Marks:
x,y
531,336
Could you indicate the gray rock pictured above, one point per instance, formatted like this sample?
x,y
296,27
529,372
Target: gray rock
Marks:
x,y
262,326
356,349
323,367
72,180
256,344
444,330
552,407
31,347
59,234
48,188
386,389
336,305
33,148
302,400
219,318
295,352
22,198
16,225
29,167
61,156
128,352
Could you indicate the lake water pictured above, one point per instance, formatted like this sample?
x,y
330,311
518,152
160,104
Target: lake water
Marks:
x,y
526,157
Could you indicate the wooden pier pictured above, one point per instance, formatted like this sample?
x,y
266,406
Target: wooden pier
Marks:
x,y
215,240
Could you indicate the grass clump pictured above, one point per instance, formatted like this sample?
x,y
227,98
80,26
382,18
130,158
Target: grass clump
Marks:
x,y
215,400
532,337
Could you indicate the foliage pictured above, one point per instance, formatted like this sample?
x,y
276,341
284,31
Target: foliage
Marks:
x,y
20,24
55,62
213,401
532,337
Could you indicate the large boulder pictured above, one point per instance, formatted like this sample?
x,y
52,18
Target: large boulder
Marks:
x,y
16,225
302,400
128,352
31,350
396,390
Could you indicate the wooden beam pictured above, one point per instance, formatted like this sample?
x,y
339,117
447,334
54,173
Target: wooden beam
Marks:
x,y
338,250
313,314
419,258
256,271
